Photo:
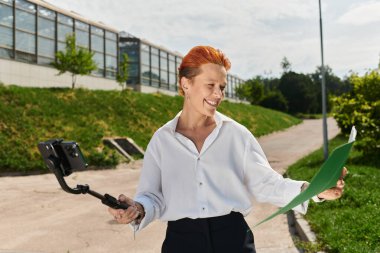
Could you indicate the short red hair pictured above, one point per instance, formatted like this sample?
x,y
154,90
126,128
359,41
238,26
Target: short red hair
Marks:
x,y
197,56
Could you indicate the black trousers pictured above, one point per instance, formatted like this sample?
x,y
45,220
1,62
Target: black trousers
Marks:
x,y
224,234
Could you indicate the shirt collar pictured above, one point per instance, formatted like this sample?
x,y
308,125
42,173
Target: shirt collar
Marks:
x,y
219,119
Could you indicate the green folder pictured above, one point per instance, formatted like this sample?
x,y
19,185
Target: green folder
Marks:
x,y
326,177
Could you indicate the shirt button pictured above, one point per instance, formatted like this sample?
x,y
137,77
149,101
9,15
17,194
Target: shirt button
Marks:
x,y
200,183
203,208
198,158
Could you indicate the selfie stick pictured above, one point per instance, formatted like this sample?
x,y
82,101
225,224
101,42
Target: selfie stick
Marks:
x,y
61,157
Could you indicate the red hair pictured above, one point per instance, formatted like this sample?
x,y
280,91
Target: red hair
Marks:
x,y
197,56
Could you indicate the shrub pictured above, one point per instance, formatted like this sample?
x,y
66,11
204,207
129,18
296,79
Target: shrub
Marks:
x,y
275,100
252,90
361,107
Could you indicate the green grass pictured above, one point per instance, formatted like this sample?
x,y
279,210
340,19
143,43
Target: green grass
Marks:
x,y
352,223
31,115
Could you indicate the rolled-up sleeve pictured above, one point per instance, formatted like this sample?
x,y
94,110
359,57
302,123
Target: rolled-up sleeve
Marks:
x,y
149,190
264,183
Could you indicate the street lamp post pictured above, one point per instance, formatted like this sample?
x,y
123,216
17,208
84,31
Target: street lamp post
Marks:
x,y
325,139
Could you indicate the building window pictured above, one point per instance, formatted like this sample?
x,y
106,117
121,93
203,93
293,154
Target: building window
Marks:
x,y
97,43
46,27
65,28
111,65
111,54
63,19
172,82
10,2
99,60
25,5
6,53
81,26
6,30
133,70
82,34
97,46
82,38
131,48
155,61
46,36
145,58
6,38
46,47
6,15
97,31
64,31
172,66
145,74
155,76
46,13
25,21
163,62
111,47
25,42
111,35
164,78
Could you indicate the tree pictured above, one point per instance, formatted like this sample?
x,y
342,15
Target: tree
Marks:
x,y
361,108
123,72
286,65
275,100
76,60
299,91
252,90
334,84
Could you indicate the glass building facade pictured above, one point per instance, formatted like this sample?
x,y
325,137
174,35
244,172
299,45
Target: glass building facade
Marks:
x,y
154,66
150,65
33,33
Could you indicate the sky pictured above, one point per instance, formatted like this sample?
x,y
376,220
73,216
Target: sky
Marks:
x,y
255,35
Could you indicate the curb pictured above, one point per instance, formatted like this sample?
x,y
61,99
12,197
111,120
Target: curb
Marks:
x,y
302,228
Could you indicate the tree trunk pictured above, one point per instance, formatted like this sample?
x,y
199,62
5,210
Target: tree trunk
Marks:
x,y
74,77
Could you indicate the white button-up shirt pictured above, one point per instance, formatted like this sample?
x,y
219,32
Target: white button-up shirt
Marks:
x,y
177,181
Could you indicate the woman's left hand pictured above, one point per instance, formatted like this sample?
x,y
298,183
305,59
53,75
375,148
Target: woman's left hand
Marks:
x,y
337,191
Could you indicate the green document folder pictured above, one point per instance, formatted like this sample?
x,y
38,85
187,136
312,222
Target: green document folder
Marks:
x,y
326,177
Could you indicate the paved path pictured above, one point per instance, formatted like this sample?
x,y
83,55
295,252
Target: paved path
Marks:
x,y
37,216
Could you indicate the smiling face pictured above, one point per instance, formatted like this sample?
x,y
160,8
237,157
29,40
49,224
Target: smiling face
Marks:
x,y
205,92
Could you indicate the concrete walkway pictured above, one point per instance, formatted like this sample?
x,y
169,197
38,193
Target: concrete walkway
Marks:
x,y
37,216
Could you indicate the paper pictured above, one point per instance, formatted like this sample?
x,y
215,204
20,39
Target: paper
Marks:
x,y
326,177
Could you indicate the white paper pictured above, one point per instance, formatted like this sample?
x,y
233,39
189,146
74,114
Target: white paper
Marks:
x,y
352,134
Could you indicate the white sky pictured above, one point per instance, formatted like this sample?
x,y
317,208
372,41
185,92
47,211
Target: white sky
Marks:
x,y
254,34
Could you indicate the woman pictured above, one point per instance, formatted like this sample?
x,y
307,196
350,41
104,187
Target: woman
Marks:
x,y
202,168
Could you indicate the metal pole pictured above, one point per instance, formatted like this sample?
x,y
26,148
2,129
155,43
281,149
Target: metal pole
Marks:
x,y
325,139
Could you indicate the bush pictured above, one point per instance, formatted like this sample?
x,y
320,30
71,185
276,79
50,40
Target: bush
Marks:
x,y
252,90
275,100
361,107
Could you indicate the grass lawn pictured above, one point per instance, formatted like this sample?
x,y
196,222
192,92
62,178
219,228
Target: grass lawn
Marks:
x,y
352,223
31,115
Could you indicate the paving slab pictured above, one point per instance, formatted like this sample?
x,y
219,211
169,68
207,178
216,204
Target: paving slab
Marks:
x,y
36,216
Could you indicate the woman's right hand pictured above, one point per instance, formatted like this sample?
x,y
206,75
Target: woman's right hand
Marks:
x,y
126,216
